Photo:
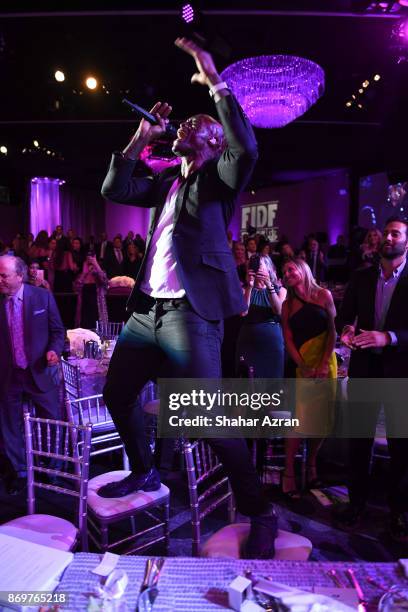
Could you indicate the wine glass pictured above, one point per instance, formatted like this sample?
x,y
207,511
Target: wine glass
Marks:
x,y
395,599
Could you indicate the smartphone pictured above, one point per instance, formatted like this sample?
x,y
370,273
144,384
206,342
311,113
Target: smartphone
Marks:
x,y
254,263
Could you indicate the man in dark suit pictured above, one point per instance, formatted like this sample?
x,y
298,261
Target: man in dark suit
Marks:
x,y
187,283
375,318
31,340
316,260
114,258
100,249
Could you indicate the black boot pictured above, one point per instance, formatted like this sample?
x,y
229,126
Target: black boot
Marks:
x,y
262,536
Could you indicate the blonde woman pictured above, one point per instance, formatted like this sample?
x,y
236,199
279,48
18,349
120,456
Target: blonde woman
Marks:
x,y
308,327
370,248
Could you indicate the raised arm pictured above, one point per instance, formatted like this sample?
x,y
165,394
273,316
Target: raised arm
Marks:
x,y
237,162
119,185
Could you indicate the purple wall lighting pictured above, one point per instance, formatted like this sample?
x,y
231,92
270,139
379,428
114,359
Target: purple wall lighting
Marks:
x,y
402,30
274,90
45,211
187,13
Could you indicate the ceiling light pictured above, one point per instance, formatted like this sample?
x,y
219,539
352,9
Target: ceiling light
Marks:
x,y
274,90
348,103
91,83
187,13
377,77
360,91
365,83
3,150
59,76
36,143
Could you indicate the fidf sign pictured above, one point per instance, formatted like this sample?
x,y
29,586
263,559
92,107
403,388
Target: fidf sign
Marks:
x,y
260,216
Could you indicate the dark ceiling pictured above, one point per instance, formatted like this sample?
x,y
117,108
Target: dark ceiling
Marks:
x,y
129,48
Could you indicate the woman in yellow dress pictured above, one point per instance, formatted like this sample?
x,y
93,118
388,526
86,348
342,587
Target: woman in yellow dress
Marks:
x,y
308,327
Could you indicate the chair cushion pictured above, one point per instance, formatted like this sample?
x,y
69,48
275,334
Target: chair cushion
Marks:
x,y
230,541
42,529
107,507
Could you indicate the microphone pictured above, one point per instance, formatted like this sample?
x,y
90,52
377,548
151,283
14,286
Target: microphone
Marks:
x,y
171,130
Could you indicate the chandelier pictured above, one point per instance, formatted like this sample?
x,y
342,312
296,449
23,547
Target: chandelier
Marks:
x,y
274,90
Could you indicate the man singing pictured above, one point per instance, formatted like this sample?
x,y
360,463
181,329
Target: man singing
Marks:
x,y
187,283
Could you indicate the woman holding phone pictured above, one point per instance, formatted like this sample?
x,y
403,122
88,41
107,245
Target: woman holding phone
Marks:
x,y
36,276
260,340
91,286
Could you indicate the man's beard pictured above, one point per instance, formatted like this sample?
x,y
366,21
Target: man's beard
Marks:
x,y
393,253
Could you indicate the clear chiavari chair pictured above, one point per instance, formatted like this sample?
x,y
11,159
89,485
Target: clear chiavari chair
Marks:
x,y
109,330
65,449
71,375
208,486
92,410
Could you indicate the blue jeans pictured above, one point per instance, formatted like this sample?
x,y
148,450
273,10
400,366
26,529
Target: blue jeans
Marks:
x,y
170,340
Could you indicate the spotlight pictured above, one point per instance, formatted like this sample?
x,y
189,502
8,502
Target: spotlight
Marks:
x,y
187,13
36,143
59,76
377,77
360,91
3,150
348,103
91,83
365,83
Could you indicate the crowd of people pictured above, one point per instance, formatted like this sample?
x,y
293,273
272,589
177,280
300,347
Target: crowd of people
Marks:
x,y
193,277
60,258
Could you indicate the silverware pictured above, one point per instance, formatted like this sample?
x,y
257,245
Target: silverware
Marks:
x,y
336,578
362,607
146,599
148,590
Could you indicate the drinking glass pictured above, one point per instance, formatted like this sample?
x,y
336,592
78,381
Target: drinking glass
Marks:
x,y
394,600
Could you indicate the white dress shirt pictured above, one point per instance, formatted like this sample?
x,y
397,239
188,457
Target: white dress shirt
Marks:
x,y
161,278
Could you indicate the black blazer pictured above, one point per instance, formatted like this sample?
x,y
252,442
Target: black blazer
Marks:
x,y
359,302
43,332
204,207
111,265
321,266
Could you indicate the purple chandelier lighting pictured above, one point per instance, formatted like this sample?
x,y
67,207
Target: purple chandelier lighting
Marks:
x,y
274,90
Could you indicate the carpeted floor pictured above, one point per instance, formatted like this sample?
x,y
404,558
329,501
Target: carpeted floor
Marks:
x,y
305,516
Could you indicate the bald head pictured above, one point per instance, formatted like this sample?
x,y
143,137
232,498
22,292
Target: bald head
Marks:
x,y
13,271
199,137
